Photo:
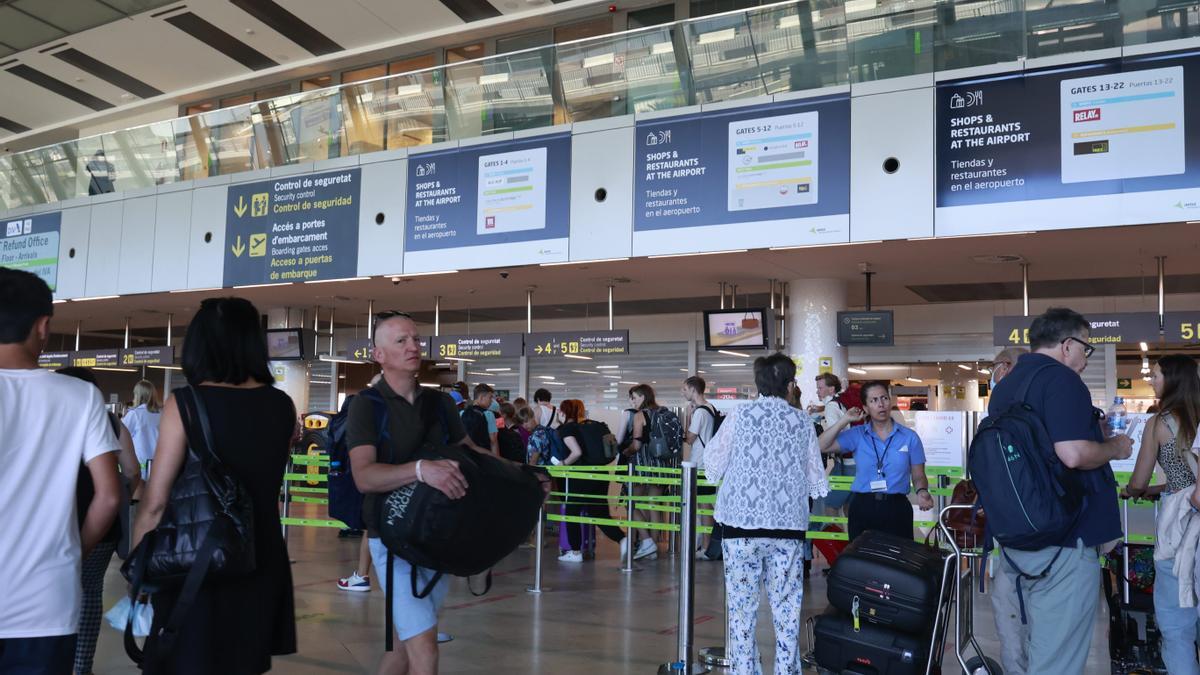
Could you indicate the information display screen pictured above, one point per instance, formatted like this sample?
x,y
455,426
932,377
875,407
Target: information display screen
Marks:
x,y
736,329
866,328
285,344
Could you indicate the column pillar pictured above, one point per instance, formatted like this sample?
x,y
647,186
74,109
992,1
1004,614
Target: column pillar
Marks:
x,y
813,305
958,389
290,376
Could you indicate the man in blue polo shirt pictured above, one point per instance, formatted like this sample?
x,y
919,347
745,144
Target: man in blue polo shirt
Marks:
x,y
1060,606
889,457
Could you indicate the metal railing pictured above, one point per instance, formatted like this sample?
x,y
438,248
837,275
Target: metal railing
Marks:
x,y
785,47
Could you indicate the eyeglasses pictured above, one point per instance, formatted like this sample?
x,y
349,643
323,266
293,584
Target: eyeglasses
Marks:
x,y
1087,348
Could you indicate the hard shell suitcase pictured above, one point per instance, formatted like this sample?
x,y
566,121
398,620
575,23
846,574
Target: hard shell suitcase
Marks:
x,y
873,650
896,582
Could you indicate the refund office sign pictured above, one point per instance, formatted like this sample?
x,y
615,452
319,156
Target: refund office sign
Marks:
x,y
1119,328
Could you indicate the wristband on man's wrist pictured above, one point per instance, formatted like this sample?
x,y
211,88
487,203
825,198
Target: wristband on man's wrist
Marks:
x,y
420,478
920,489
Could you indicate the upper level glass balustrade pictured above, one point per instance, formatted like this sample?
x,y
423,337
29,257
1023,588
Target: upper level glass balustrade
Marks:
x,y
789,46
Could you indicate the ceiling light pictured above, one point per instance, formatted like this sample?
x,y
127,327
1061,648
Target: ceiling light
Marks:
x,y
196,290
166,367
683,370
985,371
457,358
544,377
744,356
582,262
856,371
558,384
431,385
442,365
585,372
497,370
330,281
613,377
336,359
836,243
256,286
397,277
599,60
59,302
408,90
494,78
606,367
115,370
476,373
727,365
915,379
964,367
1145,347
660,48
578,356
625,382
95,297
685,255
789,21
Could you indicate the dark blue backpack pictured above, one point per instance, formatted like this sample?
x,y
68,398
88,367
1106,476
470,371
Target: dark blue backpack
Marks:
x,y
1031,499
345,501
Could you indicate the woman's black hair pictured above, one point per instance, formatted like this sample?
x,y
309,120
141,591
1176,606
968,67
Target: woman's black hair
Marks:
x,y
772,374
1181,396
226,343
875,384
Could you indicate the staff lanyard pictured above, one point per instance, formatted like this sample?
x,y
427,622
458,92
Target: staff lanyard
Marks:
x,y
879,458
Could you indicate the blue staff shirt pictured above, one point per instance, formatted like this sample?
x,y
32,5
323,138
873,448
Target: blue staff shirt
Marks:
x,y
899,452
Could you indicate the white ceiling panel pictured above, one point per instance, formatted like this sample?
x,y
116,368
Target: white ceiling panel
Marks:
x,y
27,103
234,21
406,17
156,53
61,70
350,24
518,6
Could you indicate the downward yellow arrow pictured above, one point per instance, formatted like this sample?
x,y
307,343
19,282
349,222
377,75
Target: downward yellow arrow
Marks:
x,y
238,248
240,209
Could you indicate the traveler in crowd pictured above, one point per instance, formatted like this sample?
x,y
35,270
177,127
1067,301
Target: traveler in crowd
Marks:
x,y
381,464
480,421
142,420
889,459
520,404
1058,583
235,624
59,423
769,465
1013,633
537,450
829,410
460,403
95,564
701,427
508,436
1171,434
359,580
578,431
547,413
642,399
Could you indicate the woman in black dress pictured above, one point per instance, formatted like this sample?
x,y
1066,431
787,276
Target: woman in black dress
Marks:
x,y
236,625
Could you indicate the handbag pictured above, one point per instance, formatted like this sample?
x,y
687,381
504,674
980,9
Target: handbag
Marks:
x,y
206,529
750,321
967,526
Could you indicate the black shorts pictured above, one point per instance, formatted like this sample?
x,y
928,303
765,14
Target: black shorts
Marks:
x,y
706,489
53,655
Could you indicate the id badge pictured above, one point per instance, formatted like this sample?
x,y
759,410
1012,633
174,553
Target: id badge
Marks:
x,y
879,485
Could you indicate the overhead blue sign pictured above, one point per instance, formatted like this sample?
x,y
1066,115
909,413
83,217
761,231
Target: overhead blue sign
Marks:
x,y
761,165
31,244
293,228
1114,127
480,195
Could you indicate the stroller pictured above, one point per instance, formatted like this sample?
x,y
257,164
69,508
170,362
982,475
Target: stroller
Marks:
x,y
1134,642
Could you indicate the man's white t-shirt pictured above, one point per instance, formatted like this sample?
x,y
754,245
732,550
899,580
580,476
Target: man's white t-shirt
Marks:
x,y
50,424
702,426
833,411
545,414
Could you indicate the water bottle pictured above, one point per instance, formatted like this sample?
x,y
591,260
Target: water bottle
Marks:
x,y
1117,420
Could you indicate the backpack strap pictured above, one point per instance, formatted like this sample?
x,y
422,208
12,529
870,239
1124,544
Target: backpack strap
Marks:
x,y
1023,392
379,406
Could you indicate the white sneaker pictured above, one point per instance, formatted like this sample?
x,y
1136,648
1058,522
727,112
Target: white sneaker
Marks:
x,y
356,583
624,547
647,549
571,556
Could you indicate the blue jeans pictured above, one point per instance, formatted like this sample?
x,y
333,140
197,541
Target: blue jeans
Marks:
x,y
1178,625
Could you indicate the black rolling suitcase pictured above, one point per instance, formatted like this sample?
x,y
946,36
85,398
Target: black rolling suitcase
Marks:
x,y
873,650
897,582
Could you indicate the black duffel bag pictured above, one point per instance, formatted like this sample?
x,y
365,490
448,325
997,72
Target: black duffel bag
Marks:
x,y
206,530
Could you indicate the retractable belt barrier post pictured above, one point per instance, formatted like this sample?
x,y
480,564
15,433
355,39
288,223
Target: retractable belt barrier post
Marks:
x,y
687,580
537,552
627,567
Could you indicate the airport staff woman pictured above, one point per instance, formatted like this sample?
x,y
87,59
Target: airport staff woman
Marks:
x,y
889,458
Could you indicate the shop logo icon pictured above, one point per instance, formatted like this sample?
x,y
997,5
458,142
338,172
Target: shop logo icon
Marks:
x,y
658,138
489,222
426,169
13,229
1087,115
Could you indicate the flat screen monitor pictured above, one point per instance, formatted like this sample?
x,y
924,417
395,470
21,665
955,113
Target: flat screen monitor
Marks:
x,y
285,344
736,329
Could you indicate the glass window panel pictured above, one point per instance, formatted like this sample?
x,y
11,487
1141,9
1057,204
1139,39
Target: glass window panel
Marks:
x,y
721,371
233,145
21,31
318,82
362,111
415,110
197,108
412,64
585,29
364,74
706,7
502,93
142,156
28,180
464,53
979,32
620,75
1159,20
273,92
60,162
1060,27
192,147
890,38
724,63
302,128
653,16
232,101
519,43
800,47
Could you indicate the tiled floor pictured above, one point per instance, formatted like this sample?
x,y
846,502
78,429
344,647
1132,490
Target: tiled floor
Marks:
x,y
591,619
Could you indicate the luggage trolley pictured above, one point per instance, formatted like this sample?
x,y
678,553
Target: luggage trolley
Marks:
x,y
956,596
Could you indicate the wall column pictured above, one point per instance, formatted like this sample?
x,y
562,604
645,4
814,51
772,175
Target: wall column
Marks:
x,y
291,376
813,305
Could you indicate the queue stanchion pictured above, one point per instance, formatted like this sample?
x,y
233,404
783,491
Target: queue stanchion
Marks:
x,y
287,500
630,532
684,662
539,533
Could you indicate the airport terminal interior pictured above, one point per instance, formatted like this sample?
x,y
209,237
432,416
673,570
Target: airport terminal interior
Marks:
x,y
582,197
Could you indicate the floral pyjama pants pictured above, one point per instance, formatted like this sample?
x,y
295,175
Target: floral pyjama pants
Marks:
x,y
751,563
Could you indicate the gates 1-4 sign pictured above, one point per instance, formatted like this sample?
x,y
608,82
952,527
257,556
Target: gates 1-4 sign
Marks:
x,y
581,343
295,228
96,358
31,244
148,356
478,346
1120,328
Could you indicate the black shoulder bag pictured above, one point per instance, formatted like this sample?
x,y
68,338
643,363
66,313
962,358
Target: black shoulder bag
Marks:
x,y
206,529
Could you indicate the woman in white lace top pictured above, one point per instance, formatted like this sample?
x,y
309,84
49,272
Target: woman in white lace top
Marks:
x,y
767,459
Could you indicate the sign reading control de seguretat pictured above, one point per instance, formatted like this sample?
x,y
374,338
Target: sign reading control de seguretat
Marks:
x,y
293,228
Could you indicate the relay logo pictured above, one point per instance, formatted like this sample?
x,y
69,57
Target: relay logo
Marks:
x,y
1087,115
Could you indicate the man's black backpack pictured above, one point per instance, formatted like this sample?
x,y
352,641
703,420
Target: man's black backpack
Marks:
x,y
475,422
599,443
345,501
717,417
511,447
